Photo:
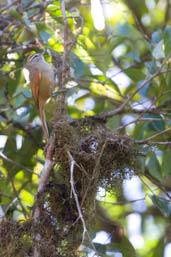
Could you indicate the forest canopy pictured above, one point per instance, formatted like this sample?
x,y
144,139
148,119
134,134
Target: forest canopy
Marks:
x,y
101,184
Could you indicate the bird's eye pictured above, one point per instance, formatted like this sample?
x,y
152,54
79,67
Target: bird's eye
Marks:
x,y
33,57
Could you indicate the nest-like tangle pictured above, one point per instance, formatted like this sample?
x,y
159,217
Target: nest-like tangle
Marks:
x,y
101,159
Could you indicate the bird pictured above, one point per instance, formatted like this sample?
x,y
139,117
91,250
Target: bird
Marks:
x,y
42,81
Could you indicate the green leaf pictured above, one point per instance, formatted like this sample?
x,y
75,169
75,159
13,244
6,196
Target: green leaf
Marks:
x,y
158,51
53,7
163,205
77,65
26,2
21,95
153,166
138,8
156,36
159,249
101,248
7,191
167,40
124,246
127,31
45,32
123,29
157,123
44,36
134,55
135,74
165,166
151,66
143,91
139,131
16,15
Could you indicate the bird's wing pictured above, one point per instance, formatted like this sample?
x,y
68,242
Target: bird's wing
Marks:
x,y
35,79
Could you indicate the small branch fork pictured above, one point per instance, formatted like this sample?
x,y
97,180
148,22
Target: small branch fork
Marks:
x,y
73,191
108,114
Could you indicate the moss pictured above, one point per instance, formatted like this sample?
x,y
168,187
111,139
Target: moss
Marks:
x,y
15,238
101,159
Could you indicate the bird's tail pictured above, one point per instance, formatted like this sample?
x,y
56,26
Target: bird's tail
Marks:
x,y
44,123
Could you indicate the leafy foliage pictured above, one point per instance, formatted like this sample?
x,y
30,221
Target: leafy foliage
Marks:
x,y
117,98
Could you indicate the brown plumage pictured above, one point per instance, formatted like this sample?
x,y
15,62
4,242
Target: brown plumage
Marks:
x,y
41,75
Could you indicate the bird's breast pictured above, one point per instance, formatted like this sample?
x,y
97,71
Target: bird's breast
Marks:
x,y
46,83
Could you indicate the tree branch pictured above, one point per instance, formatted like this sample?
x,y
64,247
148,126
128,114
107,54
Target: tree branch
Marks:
x,y
6,7
167,12
137,18
48,166
64,59
3,156
145,141
103,116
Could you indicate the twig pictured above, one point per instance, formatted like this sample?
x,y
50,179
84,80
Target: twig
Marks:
x,y
94,173
144,141
85,230
157,183
3,156
40,6
148,120
8,6
18,198
108,114
159,143
74,40
131,122
167,12
138,21
5,195
124,202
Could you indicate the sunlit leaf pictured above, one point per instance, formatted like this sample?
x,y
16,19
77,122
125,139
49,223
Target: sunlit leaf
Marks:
x,y
158,51
162,204
159,249
106,71
27,197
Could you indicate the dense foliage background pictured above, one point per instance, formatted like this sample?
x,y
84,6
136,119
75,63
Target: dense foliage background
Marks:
x,y
118,72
